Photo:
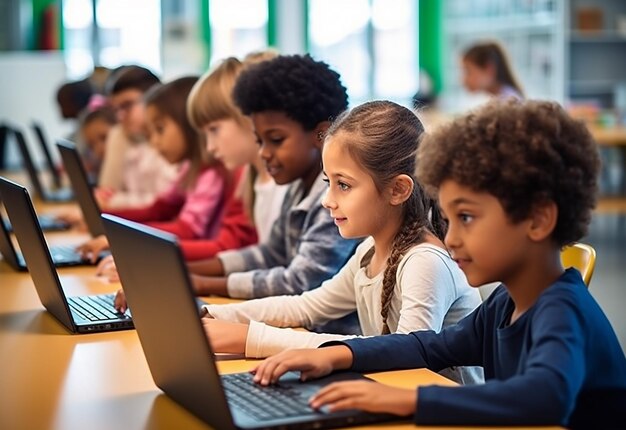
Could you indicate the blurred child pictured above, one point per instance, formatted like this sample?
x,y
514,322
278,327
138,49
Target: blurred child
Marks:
x,y
400,279
133,172
94,126
486,68
517,182
194,204
231,139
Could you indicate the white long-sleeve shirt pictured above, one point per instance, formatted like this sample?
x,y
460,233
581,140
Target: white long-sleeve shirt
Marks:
x,y
431,293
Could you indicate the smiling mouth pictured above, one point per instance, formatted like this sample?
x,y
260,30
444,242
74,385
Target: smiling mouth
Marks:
x,y
272,170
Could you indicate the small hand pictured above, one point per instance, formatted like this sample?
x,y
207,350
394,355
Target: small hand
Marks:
x,y
103,195
93,247
312,363
226,336
107,268
120,301
368,396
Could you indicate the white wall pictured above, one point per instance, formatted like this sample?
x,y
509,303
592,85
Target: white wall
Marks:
x,y
28,85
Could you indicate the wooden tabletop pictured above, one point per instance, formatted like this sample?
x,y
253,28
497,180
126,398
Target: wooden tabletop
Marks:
x,y
52,379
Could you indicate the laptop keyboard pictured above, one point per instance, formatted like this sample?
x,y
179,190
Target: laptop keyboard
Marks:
x,y
64,254
264,403
95,308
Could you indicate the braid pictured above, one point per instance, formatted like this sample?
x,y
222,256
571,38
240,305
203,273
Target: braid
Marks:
x,y
410,234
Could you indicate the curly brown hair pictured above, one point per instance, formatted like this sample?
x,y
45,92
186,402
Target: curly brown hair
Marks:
x,y
523,153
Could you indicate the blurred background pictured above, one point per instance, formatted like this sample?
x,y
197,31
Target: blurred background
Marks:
x,y
404,50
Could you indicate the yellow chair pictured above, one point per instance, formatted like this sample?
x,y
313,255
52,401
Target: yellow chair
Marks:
x,y
581,257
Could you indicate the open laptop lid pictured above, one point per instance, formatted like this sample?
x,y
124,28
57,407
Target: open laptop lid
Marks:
x,y
43,144
80,185
29,163
35,251
7,249
152,269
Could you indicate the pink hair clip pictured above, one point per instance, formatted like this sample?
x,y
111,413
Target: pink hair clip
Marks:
x,y
96,102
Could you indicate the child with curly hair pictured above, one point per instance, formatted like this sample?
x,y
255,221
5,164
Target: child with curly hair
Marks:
x,y
291,101
517,182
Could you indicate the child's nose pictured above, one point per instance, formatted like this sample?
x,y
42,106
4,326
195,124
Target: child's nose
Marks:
x,y
264,152
328,202
452,239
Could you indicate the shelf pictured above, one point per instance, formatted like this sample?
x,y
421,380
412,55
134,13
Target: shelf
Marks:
x,y
592,87
597,37
494,24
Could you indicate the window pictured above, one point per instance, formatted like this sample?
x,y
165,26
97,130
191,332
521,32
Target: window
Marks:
x,y
123,32
237,27
373,44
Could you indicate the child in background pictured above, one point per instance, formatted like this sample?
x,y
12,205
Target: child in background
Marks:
x,y
133,172
486,68
517,182
400,279
291,100
230,138
193,206
94,126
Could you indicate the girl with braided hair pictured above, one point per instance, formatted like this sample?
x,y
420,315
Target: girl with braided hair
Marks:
x,y
401,277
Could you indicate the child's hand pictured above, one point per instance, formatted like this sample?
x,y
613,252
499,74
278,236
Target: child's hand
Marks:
x,y
103,195
72,216
107,268
367,396
120,301
93,247
312,363
226,336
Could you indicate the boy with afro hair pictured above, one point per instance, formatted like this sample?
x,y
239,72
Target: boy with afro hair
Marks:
x,y
517,181
291,101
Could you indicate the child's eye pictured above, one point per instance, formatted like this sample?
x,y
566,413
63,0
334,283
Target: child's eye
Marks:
x,y
466,218
343,186
325,179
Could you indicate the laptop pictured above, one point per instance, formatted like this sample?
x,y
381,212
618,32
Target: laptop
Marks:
x,y
158,289
45,149
46,223
80,314
80,185
56,195
29,235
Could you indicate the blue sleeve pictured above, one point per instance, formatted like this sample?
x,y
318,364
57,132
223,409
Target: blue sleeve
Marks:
x,y
458,345
544,392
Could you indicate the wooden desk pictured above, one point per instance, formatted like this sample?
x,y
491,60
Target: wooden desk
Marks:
x,y
51,379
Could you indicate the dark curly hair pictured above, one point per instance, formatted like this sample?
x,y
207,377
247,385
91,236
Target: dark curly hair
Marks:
x,y
523,153
307,91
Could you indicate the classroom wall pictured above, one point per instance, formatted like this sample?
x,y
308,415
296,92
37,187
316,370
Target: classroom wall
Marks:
x,y
28,83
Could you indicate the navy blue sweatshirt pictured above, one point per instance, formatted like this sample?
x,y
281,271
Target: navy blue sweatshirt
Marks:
x,y
560,363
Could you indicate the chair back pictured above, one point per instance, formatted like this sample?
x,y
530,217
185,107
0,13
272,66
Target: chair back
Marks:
x,y
582,257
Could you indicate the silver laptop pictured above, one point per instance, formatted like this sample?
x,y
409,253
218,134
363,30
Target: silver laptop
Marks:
x,y
47,195
80,185
158,290
81,314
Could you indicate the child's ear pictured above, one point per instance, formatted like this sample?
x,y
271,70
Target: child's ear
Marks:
x,y
543,219
320,134
401,189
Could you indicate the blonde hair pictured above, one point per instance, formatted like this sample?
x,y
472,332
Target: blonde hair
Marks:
x,y
211,100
